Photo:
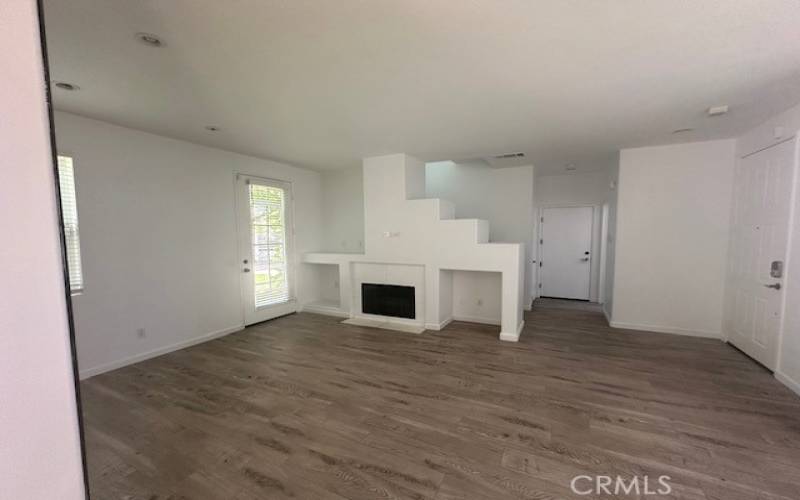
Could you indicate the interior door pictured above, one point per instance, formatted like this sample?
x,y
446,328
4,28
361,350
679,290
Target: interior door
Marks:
x,y
266,231
566,240
760,230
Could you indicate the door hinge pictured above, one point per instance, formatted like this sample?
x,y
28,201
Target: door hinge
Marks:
x,y
540,263
541,242
542,219
540,285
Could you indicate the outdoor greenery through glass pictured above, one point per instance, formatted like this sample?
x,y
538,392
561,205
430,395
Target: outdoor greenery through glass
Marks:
x,y
268,237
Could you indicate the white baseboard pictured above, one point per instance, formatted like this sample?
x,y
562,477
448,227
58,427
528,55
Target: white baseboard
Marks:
x,y
788,382
113,365
667,329
512,336
608,316
325,310
438,326
477,319
397,326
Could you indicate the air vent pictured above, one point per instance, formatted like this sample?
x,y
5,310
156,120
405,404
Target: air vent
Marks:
x,y
509,155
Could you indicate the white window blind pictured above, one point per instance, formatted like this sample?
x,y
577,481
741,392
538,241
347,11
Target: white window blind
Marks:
x,y
69,209
268,237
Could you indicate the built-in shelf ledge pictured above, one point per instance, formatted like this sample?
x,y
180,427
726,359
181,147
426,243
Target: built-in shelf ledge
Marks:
x,y
330,258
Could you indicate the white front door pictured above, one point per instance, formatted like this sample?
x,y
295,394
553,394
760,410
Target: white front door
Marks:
x,y
566,241
759,236
266,258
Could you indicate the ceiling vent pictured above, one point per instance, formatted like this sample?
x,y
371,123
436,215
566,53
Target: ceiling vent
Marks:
x,y
508,156
507,160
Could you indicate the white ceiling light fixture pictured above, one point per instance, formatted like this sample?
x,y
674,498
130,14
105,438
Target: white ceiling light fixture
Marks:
x,y
150,39
718,110
71,87
569,167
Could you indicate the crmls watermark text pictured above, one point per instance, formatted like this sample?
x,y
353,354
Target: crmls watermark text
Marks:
x,y
618,485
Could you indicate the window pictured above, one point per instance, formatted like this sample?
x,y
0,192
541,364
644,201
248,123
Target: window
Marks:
x,y
69,210
268,237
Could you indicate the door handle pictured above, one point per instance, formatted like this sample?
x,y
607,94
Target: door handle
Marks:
x,y
774,286
246,270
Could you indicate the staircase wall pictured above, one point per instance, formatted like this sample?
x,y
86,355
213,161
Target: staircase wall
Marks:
x,y
403,228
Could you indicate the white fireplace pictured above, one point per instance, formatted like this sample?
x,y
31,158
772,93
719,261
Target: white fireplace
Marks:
x,y
389,274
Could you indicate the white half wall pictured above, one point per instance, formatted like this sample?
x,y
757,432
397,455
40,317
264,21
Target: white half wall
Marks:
x,y
158,238
502,196
402,227
40,455
673,217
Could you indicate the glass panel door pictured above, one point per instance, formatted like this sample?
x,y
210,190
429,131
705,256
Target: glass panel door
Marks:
x,y
265,245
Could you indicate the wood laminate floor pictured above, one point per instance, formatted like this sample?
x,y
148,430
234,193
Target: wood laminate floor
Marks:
x,y
305,407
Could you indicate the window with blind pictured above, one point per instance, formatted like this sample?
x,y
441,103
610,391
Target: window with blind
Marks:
x,y
268,237
69,210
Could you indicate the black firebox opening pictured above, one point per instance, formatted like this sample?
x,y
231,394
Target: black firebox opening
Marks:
x,y
388,300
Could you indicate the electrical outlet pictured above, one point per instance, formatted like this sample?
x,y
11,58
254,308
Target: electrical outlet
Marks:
x,y
140,332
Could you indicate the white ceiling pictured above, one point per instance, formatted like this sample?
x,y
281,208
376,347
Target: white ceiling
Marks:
x,y
324,83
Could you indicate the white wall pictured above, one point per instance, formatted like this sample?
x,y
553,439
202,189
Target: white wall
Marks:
x,y
343,211
787,124
158,238
672,237
502,196
39,441
578,189
402,228
589,188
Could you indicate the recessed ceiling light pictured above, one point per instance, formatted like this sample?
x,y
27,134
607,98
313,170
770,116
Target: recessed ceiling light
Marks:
x,y
67,86
212,128
682,130
717,110
149,39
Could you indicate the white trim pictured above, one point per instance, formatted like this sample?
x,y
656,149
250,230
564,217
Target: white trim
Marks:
x,y
606,314
788,382
386,325
438,326
789,272
113,365
512,337
667,329
324,310
477,319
